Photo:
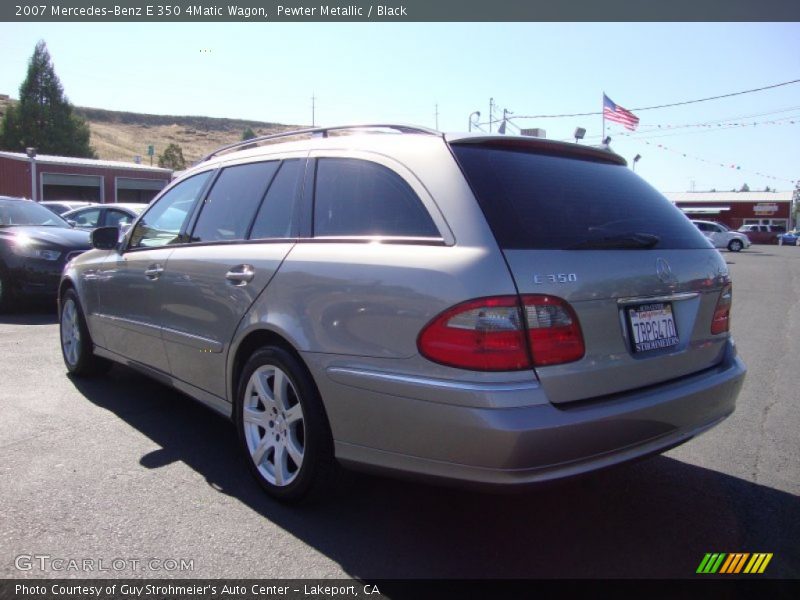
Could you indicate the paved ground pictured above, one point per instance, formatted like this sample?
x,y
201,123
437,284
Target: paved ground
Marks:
x,y
122,468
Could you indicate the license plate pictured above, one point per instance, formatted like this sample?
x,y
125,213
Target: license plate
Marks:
x,y
652,327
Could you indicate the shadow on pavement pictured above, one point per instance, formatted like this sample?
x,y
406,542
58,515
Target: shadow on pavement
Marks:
x,y
33,313
655,518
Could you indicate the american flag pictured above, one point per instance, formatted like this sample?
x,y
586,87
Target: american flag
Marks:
x,y
614,112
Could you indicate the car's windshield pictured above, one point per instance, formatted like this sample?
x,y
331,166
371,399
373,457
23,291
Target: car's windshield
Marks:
x,y
25,212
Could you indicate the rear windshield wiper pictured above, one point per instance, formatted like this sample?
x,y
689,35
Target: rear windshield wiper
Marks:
x,y
623,241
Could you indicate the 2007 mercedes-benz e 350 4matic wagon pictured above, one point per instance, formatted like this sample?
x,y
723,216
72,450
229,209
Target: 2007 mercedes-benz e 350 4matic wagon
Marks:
x,y
484,309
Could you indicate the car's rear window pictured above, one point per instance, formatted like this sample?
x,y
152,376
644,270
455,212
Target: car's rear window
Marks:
x,y
542,201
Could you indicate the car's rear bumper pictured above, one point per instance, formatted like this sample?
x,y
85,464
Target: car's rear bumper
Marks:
x,y
508,446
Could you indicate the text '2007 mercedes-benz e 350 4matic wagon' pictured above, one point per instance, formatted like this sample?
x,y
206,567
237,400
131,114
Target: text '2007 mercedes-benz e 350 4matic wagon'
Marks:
x,y
480,309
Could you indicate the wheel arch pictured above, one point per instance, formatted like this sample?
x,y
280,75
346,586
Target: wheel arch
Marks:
x,y
65,284
250,343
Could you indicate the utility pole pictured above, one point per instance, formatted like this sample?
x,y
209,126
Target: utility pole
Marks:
x,y
436,116
491,113
313,109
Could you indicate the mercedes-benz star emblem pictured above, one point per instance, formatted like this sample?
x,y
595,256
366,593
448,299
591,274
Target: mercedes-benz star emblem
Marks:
x,y
664,271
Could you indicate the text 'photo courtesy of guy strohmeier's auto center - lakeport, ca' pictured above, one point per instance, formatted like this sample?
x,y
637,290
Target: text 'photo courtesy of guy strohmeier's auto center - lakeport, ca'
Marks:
x,y
422,305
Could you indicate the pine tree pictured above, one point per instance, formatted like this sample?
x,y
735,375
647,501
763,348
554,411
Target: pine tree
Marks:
x,y
172,158
248,134
43,118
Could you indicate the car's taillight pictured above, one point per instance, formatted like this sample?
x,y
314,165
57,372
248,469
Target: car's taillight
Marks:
x,y
492,334
554,333
721,323
483,335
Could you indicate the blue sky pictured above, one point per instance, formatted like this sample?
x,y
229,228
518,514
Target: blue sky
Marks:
x,y
370,72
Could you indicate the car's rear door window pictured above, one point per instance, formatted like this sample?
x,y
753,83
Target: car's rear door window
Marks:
x,y
358,198
275,216
534,200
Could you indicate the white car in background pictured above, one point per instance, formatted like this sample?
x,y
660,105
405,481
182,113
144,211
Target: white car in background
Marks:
x,y
116,214
722,237
61,206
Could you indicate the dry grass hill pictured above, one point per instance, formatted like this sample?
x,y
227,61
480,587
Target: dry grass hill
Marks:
x,y
123,135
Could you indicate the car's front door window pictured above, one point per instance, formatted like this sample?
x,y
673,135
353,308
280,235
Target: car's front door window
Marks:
x,y
162,223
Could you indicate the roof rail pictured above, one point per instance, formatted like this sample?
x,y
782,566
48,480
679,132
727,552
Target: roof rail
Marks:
x,y
321,132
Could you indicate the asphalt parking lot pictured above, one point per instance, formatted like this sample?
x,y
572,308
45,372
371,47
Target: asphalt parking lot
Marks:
x,y
122,468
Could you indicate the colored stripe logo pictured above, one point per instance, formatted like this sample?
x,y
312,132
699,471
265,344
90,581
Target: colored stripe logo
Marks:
x,y
734,563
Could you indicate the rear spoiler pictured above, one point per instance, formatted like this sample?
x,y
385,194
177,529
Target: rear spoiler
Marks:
x,y
538,145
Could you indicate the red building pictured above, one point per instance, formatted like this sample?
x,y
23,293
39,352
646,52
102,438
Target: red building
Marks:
x,y
735,209
64,178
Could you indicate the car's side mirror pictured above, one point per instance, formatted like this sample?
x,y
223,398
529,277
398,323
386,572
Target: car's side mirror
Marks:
x,y
71,223
105,238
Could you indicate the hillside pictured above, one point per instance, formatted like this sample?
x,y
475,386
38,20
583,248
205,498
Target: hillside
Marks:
x,y
123,135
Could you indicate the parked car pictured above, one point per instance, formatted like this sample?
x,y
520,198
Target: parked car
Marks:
x,y
790,238
762,234
104,215
486,309
61,206
35,244
722,237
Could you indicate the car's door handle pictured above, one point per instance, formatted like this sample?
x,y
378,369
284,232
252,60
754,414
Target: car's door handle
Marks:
x,y
241,274
154,271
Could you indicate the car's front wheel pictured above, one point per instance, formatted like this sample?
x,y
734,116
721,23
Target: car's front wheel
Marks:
x,y
282,426
77,347
735,245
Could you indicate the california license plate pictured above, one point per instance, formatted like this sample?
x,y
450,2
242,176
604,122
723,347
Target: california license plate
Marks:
x,y
652,327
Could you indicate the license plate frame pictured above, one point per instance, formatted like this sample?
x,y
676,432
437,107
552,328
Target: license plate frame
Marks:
x,y
651,327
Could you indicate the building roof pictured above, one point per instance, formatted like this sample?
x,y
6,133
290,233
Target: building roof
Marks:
x,y
727,197
84,162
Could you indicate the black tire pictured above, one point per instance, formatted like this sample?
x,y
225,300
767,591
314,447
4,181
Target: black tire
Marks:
x,y
735,245
274,414
77,347
6,293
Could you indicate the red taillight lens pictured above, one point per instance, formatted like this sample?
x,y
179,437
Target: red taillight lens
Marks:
x,y
483,335
554,333
721,323
489,334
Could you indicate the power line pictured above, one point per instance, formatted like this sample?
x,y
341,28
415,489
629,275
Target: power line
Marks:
x,y
670,131
589,114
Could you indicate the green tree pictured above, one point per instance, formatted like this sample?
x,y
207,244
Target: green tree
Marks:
x,y
248,134
745,188
43,118
172,158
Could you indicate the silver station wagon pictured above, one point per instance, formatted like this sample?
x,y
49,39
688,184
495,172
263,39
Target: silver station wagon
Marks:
x,y
490,310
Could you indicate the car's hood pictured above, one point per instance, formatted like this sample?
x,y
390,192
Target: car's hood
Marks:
x,y
73,239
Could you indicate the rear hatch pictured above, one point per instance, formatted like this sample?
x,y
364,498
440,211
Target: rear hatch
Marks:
x,y
575,223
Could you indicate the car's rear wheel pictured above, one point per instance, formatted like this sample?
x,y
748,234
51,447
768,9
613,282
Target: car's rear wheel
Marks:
x,y
77,347
735,245
283,429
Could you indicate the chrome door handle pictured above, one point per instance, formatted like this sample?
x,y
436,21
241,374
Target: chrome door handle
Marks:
x,y
241,274
154,271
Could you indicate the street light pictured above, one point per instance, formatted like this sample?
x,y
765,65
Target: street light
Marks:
x,y
477,115
636,159
579,133
607,141
31,152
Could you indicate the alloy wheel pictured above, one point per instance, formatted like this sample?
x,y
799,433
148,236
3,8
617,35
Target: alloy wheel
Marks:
x,y
274,425
70,332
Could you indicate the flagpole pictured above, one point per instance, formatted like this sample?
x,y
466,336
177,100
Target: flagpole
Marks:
x,y
604,118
